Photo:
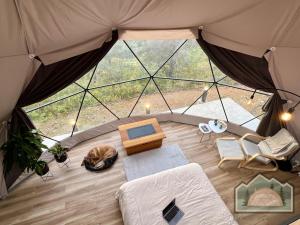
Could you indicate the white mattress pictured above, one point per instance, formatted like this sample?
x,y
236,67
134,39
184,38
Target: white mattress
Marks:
x,y
142,200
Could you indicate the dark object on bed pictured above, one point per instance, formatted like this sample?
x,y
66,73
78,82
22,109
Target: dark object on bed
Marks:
x,y
172,214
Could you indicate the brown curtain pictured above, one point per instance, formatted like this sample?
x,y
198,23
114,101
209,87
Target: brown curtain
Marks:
x,y
50,79
252,72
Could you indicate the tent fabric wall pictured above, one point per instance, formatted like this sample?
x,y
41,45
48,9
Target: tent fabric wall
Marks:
x,y
55,30
16,72
59,55
246,26
267,24
14,62
12,38
53,26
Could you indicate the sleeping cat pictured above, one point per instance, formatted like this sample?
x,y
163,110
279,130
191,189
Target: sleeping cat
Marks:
x,y
100,158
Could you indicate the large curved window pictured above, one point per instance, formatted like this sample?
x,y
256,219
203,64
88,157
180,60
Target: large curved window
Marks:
x,y
139,77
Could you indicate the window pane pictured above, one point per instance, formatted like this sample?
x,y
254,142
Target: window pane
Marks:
x,y
217,72
209,107
180,94
190,62
120,98
84,80
118,65
58,118
253,124
92,114
228,81
151,98
153,53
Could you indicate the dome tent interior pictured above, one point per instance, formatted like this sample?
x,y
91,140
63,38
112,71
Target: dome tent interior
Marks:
x,y
31,28
41,38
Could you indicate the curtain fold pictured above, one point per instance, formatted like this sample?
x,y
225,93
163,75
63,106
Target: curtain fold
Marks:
x,y
50,79
271,122
3,139
252,72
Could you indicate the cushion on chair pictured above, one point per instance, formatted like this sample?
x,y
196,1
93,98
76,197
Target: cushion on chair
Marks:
x,y
281,141
230,149
252,149
264,148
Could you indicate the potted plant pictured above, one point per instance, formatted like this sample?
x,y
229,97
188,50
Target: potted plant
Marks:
x,y
23,147
59,152
41,167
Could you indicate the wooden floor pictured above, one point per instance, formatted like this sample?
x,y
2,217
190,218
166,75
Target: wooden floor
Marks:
x,y
76,196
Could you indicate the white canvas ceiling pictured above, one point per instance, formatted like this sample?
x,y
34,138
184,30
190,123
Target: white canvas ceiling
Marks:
x,y
55,30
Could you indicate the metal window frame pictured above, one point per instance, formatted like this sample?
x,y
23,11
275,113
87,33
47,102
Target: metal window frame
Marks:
x,y
150,77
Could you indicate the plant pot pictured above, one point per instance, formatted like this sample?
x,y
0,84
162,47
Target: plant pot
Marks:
x,y
44,170
60,158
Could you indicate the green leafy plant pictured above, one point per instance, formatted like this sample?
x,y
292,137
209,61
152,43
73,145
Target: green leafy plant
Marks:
x,y
57,149
59,152
24,148
41,167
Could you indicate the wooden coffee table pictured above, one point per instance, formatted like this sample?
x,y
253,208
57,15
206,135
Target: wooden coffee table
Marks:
x,y
141,136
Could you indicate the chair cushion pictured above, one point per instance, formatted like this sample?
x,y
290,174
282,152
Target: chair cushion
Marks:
x,y
264,148
230,149
252,149
277,143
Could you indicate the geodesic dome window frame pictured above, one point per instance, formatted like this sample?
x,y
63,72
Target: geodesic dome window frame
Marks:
x,y
137,75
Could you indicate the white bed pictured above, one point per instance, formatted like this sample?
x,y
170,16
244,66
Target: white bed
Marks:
x,y
142,200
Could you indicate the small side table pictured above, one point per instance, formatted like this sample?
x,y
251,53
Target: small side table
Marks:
x,y
204,130
218,128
